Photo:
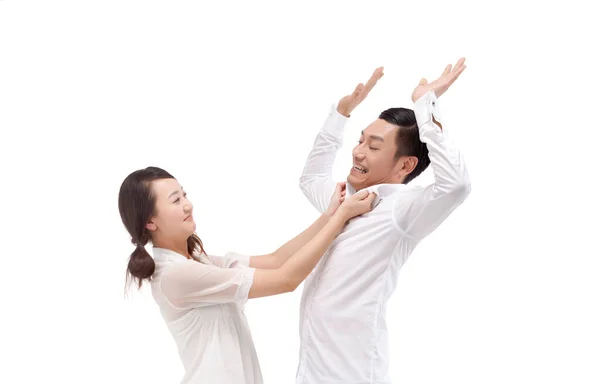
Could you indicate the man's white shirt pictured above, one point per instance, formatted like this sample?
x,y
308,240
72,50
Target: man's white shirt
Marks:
x,y
343,330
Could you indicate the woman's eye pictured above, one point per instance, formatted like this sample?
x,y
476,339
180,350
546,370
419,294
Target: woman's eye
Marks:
x,y
177,201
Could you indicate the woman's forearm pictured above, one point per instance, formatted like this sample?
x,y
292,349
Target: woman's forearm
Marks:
x,y
298,266
283,253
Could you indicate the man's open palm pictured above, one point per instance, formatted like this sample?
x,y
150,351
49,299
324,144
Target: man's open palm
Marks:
x,y
347,104
442,83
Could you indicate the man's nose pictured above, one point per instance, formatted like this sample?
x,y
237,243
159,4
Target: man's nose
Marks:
x,y
358,154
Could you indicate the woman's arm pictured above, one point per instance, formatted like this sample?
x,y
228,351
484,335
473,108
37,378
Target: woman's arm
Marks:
x,y
282,254
287,278
193,285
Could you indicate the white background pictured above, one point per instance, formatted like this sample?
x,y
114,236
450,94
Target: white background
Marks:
x,y
228,97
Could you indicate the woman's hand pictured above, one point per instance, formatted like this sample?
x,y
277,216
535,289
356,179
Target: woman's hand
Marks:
x,y
336,199
357,204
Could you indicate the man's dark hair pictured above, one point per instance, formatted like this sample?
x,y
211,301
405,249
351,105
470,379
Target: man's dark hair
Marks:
x,y
408,142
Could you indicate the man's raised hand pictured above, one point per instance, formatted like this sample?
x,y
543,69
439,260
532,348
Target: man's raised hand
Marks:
x,y
347,104
442,83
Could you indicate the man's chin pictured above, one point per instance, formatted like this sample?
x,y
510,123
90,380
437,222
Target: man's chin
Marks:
x,y
353,181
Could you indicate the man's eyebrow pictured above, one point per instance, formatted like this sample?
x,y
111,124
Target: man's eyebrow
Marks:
x,y
373,137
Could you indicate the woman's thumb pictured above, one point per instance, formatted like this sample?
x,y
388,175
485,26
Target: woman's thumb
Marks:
x,y
362,194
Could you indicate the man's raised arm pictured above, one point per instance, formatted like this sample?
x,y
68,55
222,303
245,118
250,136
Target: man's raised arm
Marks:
x,y
451,184
317,181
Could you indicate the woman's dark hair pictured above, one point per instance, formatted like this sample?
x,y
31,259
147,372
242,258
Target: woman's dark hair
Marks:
x,y
408,142
137,204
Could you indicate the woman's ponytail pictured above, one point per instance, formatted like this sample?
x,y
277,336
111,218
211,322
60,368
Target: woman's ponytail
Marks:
x,y
141,265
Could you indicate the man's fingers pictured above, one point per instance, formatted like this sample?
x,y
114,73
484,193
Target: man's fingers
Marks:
x,y
423,81
359,89
362,90
377,74
460,63
459,66
453,71
458,70
446,70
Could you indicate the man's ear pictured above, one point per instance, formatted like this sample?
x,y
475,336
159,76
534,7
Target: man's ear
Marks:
x,y
405,165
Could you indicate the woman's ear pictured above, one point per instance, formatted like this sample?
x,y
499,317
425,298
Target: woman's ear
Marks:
x,y
151,226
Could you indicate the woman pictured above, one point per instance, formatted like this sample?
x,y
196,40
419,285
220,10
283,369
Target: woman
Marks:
x,y
201,297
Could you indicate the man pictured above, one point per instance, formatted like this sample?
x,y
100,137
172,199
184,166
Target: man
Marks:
x,y
343,310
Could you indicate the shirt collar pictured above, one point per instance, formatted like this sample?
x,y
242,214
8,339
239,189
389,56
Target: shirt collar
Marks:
x,y
381,190
163,254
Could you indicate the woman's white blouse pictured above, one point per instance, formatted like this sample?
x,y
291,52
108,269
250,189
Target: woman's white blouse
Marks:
x,y
202,304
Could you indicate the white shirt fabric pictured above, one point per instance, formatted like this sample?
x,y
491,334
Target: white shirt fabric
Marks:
x,y
343,334
202,305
